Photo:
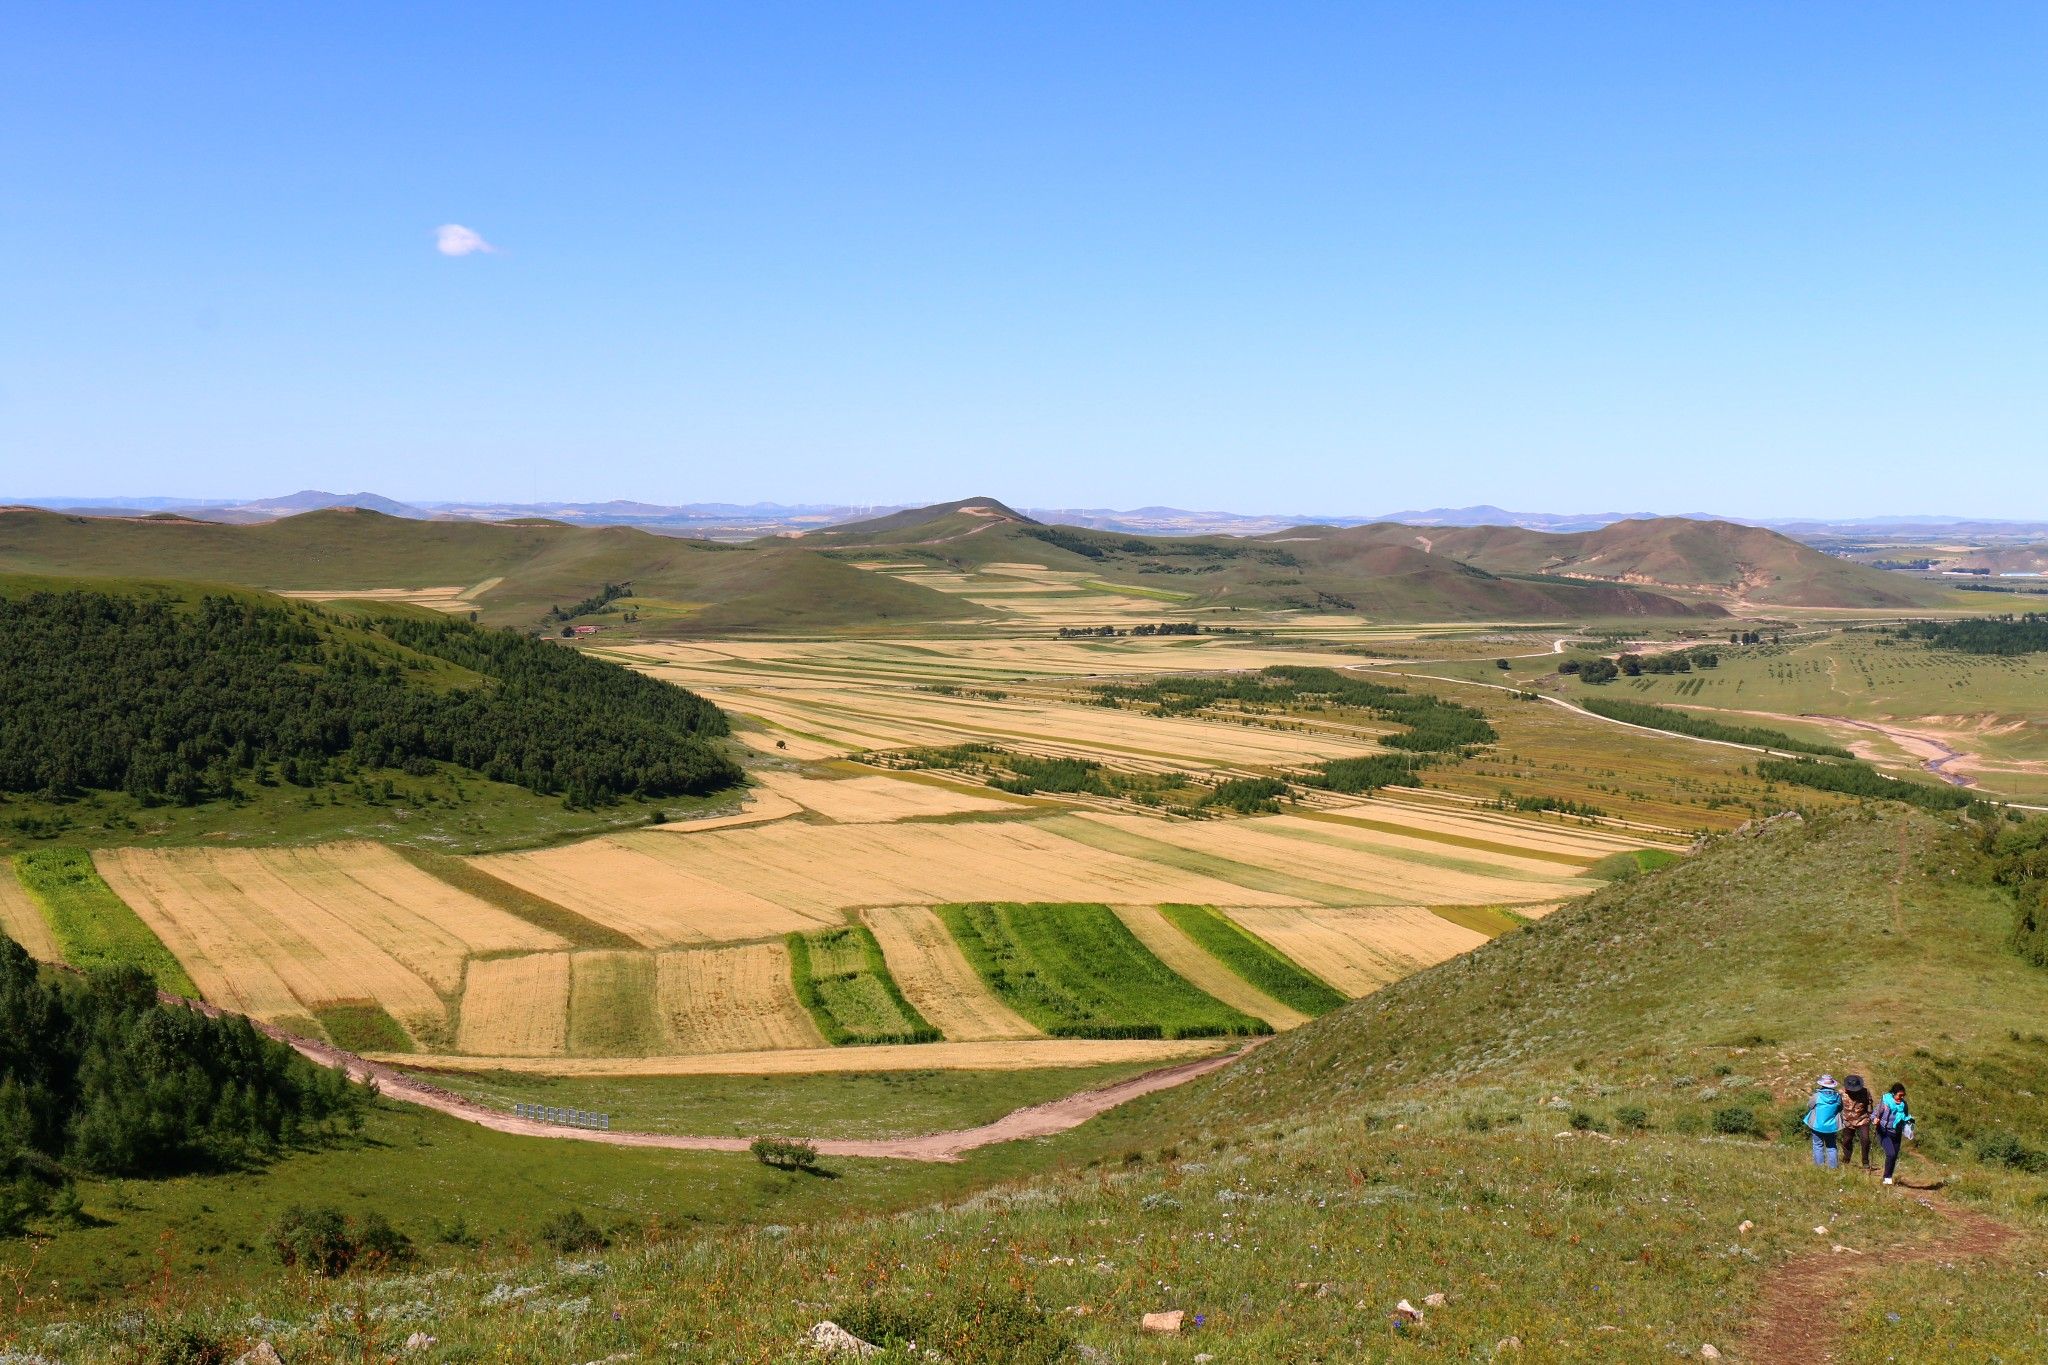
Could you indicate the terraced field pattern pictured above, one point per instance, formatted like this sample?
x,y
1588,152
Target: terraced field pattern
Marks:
x,y
861,907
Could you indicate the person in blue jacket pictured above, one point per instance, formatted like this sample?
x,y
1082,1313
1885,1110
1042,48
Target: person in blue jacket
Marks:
x,y
1823,1121
1894,1126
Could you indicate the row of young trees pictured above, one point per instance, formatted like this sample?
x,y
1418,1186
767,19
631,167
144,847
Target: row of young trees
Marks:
x,y
97,1076
106,692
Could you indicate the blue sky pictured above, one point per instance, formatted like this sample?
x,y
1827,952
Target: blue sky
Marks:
x,y
1336,258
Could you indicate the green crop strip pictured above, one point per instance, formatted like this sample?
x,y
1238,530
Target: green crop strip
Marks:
x,y
1076,972
95,927
842,979
1254,959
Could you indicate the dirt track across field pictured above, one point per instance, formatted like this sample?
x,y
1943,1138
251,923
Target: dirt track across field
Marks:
x,y
1798,1319
1040,1120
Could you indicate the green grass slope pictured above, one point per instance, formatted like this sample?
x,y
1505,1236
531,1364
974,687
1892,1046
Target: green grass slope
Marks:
x,y
1559,1134
538,564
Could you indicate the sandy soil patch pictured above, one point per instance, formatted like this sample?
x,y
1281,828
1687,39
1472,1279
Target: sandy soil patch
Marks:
x,y
1360,950
730,1000
1193,962
936,979
1013,1055
516,1006
449,599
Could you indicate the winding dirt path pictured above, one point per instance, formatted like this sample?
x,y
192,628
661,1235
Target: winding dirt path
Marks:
x,y
1039,1120
1798,1320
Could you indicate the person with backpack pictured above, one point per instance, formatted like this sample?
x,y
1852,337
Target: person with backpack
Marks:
x,y
1823,1121
1859,1112
1894,1126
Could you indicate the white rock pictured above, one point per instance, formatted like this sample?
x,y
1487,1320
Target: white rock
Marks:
x,y
1745,1227
1821,1231
262,1353
1709,1352
1162,1322
1204,1358
419,1341
829,1338
1507,1344
1434,1301
1405,1309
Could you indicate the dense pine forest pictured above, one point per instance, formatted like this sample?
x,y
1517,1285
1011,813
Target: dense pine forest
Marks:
x,y
177,703
97,1076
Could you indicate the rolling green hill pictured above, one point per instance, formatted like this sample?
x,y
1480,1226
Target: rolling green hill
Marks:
x,y
1310,569
1717,558
127,701
513,572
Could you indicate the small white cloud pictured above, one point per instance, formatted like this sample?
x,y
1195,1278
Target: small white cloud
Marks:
x,y
453,239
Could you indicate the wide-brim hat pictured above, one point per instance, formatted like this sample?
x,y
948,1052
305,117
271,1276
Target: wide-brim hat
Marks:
x,y
1827,1082
1852,1082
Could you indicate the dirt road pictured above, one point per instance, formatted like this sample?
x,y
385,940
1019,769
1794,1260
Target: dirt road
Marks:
x,y
1040,1120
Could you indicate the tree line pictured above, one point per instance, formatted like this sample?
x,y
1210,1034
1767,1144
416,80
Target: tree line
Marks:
x,y
2025,633
116,693
1857,779
97,1076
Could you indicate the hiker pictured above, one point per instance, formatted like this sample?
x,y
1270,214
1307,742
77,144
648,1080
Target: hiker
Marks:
x,y
1894,1126
1823,1120
1859,1112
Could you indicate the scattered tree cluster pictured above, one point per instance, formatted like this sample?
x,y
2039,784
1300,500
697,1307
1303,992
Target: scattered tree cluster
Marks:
x,y
96,1075
1433,725
105,692
596,602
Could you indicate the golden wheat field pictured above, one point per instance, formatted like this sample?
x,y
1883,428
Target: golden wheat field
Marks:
x,y
1359,949
874,800
262,941
734,999
1022,1054
516,1006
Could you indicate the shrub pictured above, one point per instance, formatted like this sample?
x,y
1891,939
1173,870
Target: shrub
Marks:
x,y
1633,1117
182,1345
969,1327
785,1154
314,1240
379,1244
2004,1149
1737,1121
569,1231
1478,1123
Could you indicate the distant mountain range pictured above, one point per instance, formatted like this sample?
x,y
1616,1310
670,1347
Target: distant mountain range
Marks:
x,y
746,521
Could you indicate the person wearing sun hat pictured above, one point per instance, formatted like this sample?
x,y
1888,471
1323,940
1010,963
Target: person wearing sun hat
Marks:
x,y
1859,1112
1824,1120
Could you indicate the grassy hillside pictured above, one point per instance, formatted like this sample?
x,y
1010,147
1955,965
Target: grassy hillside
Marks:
x,y
512,573
1717,557
1313,569
1570,1135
